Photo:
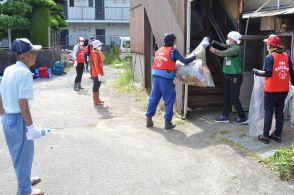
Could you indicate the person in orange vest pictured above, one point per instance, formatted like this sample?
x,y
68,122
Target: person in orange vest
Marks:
x,y
97,70
277,70
79,56
163,72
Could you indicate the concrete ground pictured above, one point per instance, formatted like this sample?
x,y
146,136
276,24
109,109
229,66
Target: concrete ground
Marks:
x,y
108,150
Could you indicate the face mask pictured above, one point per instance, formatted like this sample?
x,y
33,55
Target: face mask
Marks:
x,y
175,46
228,42
268,48
81,43
99,48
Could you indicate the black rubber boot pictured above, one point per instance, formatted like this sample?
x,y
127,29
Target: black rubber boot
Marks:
x,y
168,125
149,122
80,86
76,87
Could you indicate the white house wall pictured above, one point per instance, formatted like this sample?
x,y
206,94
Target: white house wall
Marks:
x,y
112,31
117,3
82,22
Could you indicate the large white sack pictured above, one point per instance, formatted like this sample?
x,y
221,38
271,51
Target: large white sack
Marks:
x,y
196,73
256,108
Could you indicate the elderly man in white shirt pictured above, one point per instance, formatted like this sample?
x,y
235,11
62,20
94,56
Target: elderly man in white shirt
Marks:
x,y
16,91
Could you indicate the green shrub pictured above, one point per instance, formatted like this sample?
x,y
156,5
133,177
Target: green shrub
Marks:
x,y
282,162
40,22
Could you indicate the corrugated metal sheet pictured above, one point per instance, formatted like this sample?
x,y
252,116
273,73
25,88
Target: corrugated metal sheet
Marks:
x,y
135,3
167,16
137,29
250,5
269,13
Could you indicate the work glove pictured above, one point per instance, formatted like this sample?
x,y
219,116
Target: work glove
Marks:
x,y
254,70
259,72
33,132
213,42
206,43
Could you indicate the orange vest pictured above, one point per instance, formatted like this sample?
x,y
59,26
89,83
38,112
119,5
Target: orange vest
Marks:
x,y
97,63
80,55
279,82
162,59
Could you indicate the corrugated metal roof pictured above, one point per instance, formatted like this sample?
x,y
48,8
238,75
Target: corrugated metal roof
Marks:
x,y
269,13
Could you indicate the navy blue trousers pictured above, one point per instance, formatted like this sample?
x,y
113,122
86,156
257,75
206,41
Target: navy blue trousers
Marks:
x,y
165,88
274,102
21,150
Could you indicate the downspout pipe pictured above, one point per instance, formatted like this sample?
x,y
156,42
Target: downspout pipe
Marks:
x,y
188,38
246,29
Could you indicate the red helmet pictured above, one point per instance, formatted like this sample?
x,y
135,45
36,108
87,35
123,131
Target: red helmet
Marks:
x,y
81,39
272,40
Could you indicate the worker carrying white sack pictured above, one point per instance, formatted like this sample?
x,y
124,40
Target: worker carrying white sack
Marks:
x,y
196,73
277,70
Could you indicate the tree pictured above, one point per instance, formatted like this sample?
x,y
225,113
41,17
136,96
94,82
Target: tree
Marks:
x,y
37,14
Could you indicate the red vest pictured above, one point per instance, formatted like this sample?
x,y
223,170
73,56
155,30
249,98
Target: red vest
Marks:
x,y
80,55
279,82
162,59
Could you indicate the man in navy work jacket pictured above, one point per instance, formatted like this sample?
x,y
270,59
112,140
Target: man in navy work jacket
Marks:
x,y
164,72
277,70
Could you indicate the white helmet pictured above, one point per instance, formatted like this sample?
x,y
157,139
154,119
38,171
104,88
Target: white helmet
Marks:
x,y
236,36
96,43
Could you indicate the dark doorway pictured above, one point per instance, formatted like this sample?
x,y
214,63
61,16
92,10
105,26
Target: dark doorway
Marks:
x,y
99,9
64,38
71,3
100,35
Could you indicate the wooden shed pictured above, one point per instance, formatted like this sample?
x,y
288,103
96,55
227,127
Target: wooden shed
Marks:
x,y
151,19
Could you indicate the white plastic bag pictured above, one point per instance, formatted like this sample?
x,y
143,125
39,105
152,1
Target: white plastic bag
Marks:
x,y
196,73
101,78
256,108
289,96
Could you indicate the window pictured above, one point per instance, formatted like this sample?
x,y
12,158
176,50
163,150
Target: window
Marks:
x,y
100,35
126,44
71,3
90,3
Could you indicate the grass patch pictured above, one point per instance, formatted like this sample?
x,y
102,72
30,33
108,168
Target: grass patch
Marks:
x,y
281,162
125,83
111,57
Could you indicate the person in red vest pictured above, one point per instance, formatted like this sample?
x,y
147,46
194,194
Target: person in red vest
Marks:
x,y
79,56
277,70
163,72
97,70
